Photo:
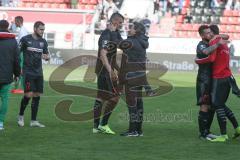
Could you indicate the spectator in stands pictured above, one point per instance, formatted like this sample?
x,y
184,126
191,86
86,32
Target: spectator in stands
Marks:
x,y
125,25
9,66
175,8
214,4
5,3
229,5
231,49
237,5
146,22
109,12
156,6
180,5
163,5
109,8
21,30
103,22
188,17
74,4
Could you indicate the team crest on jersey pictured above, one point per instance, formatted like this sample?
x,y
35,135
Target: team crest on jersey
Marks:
x,y
202,46
105,42
29,42
41,44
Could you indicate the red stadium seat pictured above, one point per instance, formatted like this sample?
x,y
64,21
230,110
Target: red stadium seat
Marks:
x,y
189,27
54,5
236,13
82,7
94,2
37,5
90,7
236,36
184,11
179,19
234,20
46,5
21,4
63,6
195,27
85,2
230,28
224,20
182,34
190,34
238,20
29,5
227,13
50,1
89,18
68,36
59,1
178,27
237,28
223,28
176,34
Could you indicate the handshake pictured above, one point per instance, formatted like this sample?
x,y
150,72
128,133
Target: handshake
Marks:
x,y
123,45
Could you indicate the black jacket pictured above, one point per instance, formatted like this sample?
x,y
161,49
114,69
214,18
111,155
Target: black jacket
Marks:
x,y
138,52
134,59
9,57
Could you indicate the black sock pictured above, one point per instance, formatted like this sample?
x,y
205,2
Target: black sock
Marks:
x,y
34,106
24,103
97,112
110,105
221,116
140,115
132,118
211,113
234,86
231,117
203,123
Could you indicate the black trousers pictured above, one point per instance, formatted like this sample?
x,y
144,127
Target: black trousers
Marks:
x,y
135,106
220,91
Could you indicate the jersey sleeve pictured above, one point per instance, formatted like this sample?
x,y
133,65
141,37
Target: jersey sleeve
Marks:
x,y
22,44
208,59
200,48
211,58
104,40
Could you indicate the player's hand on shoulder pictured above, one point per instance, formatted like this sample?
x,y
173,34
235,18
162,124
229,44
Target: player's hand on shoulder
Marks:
x,y
222,41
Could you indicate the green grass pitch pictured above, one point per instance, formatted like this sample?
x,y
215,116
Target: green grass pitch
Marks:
x,y
170,128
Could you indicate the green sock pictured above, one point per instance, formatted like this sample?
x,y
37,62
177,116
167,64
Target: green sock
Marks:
x,y
4,94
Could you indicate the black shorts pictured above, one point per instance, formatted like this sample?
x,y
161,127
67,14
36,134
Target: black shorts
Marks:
x,y
220,91
33,83
106,87
203,91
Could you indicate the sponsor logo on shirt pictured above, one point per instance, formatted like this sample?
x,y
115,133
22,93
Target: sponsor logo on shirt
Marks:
x,y
34,49
41,44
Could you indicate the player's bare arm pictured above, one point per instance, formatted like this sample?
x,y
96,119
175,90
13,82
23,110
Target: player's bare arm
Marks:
x,y
212,48
223,36
104,59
